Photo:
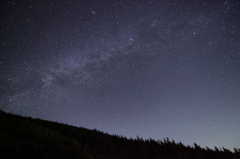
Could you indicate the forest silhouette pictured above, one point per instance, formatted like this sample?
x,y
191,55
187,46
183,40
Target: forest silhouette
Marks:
x,y
25,137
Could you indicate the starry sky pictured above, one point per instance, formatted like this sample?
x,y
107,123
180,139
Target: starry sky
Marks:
x,y
155,69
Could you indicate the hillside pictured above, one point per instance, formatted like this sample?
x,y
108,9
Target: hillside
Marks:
x,y
24,137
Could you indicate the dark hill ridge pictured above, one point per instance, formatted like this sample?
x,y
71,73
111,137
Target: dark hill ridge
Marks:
x,y
24,137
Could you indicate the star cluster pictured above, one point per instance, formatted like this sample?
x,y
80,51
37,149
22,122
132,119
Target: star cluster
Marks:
x,y
149,68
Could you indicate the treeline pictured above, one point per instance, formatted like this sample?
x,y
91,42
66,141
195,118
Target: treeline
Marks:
x,y
24,137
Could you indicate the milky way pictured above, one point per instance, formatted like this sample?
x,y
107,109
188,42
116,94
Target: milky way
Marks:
x,y
152,69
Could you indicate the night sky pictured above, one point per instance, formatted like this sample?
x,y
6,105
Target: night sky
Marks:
x,y
154,69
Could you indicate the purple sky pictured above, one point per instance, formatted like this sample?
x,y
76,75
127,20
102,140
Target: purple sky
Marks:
x,y
152,69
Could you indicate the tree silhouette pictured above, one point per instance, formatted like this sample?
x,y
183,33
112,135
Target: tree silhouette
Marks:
x,y
23,137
